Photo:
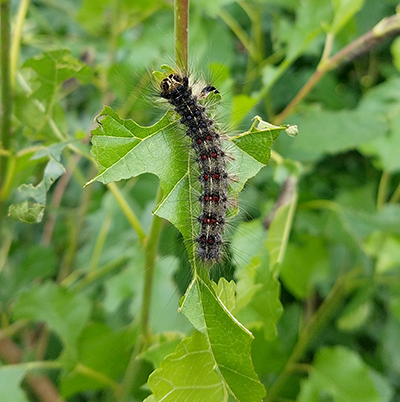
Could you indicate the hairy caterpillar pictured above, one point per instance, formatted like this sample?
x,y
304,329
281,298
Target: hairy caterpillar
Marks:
x,y
211,160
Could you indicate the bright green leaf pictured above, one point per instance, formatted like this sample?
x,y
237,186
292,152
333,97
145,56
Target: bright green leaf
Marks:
x,y
188,374
340,375
10,384
231,354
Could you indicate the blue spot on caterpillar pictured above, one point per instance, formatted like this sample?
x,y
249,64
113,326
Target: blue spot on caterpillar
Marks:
x,y
211,160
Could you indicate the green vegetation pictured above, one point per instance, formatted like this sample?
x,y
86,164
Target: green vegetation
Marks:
x,y
102,300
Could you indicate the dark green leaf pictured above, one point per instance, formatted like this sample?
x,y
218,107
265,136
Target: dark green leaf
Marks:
x,y
65,312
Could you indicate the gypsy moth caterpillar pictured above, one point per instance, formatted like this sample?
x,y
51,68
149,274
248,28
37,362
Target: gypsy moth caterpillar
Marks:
x,y
211,160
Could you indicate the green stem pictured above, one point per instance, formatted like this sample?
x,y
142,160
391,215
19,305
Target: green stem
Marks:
x,y
240,33
126,209
383,190
16,41
181,34
396,196
341,288
6,95
101,239
144,335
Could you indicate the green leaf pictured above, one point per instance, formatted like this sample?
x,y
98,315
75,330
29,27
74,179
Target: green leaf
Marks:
x,y
124,149
230,354
161,346
102,350
33,213
340,375
310,18
279,230
10,384
188,374
225,291
53,68
65,312
344,11
304,264
26,212
258,292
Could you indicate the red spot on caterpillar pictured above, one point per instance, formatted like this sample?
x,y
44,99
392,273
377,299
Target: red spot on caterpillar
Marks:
x,y
208,138
215,176
213,154
204,157
206,177
215,198
199,141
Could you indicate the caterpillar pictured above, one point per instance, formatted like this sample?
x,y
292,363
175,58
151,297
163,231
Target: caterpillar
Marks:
x,y
211,160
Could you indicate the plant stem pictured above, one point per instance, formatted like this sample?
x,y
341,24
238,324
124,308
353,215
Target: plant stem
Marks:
x,y
6,96
126,209
181,34
388,27
16,41
383,190
144,334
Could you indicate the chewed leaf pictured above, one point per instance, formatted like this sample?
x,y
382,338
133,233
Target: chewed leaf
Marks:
x,y
231,354
188,374
124,149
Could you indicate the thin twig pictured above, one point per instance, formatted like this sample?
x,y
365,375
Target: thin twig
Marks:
x,y
386,28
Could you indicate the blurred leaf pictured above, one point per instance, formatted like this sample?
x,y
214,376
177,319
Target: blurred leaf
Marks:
x,y
340,375
55,67
10,384
310,18
279,230
330,132
258,291
26,212
344,11
102,350
188,374
161,346
304,264
34,213
231,355
355,317
65,312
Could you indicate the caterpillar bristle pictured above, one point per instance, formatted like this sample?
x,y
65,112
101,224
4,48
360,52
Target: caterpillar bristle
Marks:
x,y
206,142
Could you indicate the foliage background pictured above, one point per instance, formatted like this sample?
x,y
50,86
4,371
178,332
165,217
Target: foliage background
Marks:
x,y
71,285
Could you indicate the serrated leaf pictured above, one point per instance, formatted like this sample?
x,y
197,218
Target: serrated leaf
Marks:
x,y
10,384
124,149
226,291
65,312
188,374
231,354
340,375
